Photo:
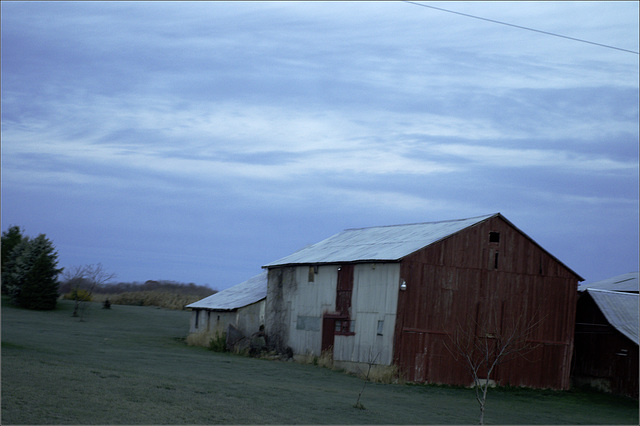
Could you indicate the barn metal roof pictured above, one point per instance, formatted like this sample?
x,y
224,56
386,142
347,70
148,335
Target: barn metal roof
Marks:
x,y
250,291
625,282
620,309
381,243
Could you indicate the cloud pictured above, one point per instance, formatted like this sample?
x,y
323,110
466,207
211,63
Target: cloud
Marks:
x,y
233,130
515,158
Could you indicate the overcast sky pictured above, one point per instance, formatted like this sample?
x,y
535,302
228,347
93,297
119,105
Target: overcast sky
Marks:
x,y
198,141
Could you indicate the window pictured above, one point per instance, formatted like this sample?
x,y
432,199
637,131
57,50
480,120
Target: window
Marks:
x,y
308,323
197,315
311,274
380,327
495,260
494,237
345,327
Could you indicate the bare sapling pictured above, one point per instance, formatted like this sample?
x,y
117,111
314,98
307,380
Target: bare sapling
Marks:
x,y
84,280
483,345
370,363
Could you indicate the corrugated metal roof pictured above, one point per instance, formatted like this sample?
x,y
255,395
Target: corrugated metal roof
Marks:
x,y
382,243
251,291
625,282
620,309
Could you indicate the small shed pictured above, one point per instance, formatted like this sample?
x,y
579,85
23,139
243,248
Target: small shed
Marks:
x,y
396,294
242,306
606,340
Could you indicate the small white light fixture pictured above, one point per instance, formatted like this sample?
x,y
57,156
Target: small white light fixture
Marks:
x,y
403,285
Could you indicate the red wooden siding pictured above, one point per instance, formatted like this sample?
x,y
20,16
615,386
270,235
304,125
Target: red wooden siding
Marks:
x,y
456,282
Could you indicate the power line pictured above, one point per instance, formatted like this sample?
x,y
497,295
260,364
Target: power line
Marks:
x,y
523,28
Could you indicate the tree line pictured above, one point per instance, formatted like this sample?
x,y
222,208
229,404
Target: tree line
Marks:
x,y
167,286
30,277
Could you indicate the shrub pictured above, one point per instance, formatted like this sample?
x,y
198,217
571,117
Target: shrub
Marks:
x,y
219,342
79,294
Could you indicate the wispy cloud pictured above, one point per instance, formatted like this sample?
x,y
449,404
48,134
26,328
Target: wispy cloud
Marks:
x,y
268,116
553,158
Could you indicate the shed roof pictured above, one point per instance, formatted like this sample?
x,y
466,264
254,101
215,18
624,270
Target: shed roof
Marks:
x,y
246,293
620,309
625,282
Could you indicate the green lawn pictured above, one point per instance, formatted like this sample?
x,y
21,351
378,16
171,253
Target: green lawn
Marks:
x,y
129,365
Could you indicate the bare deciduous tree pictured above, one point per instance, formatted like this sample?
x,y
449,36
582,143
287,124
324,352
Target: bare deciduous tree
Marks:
x,y
371,362
483,345
84,280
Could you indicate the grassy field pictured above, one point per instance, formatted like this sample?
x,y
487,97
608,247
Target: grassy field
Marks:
x,y
130,365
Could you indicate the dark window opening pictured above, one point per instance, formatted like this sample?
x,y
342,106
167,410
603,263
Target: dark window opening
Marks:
x,y
197,315
311,274
495,261
494,237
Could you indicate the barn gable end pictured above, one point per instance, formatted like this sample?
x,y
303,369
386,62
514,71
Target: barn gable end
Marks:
x,y
491,268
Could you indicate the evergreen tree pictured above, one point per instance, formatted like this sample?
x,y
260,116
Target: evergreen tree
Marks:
x,y
40,287
10,239
31,272
14,268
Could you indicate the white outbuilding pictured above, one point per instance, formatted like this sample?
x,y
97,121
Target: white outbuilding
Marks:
x,y
242,306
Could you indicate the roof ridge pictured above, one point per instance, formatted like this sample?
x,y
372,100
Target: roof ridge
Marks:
x,y
424,223
600,290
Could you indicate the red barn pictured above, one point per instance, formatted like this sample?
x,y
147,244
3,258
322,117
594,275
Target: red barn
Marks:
x,y
400,292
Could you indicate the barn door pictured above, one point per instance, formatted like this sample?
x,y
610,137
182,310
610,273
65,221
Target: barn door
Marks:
x,y
341,318
328,328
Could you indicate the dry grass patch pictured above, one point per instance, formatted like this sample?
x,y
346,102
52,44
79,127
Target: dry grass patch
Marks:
x,y
198,339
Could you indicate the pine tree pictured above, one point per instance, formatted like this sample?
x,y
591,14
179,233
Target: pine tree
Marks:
x,y
40,287
31,272
10,239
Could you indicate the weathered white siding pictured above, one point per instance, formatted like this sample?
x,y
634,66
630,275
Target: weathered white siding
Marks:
x,y
300,304
247,319
374,299
308,303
